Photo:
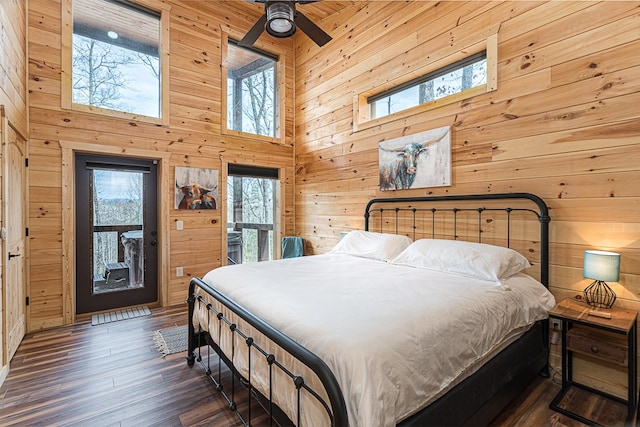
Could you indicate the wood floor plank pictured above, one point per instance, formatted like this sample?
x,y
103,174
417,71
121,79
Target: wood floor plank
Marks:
x,y
112,374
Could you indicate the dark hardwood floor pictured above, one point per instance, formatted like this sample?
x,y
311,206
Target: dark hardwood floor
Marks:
x,y
112,375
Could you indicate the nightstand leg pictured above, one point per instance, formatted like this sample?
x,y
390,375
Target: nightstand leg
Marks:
x,y
566,361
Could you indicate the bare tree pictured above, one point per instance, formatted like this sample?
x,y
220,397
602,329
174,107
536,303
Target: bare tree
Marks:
x,y
258,193
107,210
97,78
260,109
152,63
257,204
426,92
114,76
467,77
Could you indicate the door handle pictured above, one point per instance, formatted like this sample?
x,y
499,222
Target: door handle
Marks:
x,y
13,255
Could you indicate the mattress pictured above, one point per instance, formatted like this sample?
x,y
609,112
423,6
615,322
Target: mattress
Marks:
x,y
395,337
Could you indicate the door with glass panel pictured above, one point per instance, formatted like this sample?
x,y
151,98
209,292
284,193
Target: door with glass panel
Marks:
x,y
116,232
251,213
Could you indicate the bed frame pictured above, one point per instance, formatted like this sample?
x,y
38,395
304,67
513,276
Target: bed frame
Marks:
x,y
477,399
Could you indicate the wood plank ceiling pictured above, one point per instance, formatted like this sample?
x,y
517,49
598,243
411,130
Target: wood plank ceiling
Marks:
x,y
316,11
110,17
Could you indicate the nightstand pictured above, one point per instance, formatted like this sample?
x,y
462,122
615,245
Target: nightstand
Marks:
x,y
610,340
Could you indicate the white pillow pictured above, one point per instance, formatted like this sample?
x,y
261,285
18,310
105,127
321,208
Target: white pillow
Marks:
x,y
477,260
367,244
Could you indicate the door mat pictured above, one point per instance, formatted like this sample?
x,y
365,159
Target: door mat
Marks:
x,y
171,340
114,316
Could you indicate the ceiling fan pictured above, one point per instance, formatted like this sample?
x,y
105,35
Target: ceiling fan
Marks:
x,y
281,19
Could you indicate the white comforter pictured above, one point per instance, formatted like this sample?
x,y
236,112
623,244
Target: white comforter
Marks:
x,y
395,337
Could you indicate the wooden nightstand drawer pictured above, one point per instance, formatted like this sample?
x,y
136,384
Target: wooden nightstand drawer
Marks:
x,y
599,344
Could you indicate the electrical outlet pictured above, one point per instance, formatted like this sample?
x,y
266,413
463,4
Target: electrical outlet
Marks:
x,y
556,323
179,271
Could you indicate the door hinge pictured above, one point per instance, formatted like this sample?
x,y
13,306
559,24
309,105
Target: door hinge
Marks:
x,y
27,300
26,232
26,162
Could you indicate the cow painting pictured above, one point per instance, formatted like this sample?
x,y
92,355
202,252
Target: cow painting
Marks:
x,y
420,160
196,188
195,196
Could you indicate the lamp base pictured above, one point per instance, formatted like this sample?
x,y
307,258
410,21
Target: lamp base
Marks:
x,y
599,294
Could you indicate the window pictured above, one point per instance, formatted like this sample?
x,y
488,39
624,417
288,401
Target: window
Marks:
x,y
449,74
455,78
252,96
115,60
251,214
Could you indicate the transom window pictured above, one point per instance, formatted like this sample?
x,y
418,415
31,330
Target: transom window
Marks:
x,y
455,78
115,59
252,98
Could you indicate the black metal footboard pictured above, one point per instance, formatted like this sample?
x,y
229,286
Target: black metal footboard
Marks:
x,y
335,407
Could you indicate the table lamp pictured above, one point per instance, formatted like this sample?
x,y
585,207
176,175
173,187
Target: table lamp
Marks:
x,y
602,267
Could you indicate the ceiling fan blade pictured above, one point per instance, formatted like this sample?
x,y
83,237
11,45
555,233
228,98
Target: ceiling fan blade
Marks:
x,y
314,32
250,38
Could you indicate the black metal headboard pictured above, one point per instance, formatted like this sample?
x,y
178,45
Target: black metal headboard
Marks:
x,y
412,215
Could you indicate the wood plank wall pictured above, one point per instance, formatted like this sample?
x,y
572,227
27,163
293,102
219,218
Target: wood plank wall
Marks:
x,y
13,62
193,139
13,106
563,123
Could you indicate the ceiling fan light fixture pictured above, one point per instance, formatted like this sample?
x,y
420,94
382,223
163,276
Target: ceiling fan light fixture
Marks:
x,y
280,19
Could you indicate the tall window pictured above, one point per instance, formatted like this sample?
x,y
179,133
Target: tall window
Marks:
x,y
251,213
116,57
455,78
252,102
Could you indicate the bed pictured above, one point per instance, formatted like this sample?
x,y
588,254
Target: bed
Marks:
x,y
362,335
